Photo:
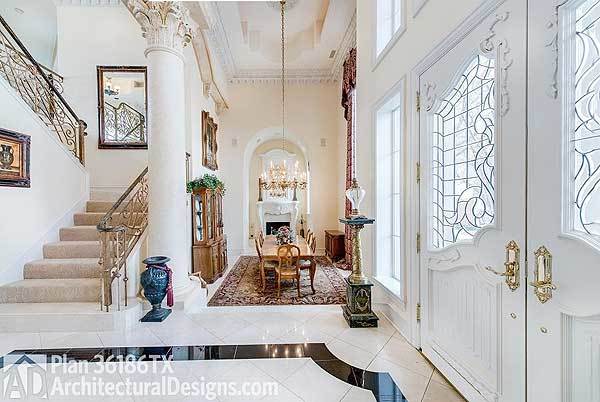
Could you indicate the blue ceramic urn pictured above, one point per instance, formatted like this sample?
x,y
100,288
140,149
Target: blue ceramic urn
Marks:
x,y
155,281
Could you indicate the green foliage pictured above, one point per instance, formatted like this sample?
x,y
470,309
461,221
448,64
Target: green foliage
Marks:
x,y
209,181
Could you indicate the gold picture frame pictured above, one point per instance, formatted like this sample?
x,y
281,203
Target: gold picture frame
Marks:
x,y
14,159
209,142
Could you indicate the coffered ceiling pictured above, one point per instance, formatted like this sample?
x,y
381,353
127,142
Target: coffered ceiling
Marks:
x,y
246,36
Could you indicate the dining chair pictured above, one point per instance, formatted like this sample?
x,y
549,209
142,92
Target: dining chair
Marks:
x,y
261,238
313,244
289,265
309,236
263,264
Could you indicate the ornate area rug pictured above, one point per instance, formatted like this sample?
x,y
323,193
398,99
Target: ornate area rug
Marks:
x,y
242,286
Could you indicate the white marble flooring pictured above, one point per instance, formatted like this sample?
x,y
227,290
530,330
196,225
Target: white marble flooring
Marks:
x,y
382,349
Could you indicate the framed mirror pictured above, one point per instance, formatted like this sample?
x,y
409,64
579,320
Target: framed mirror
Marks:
x,y
209,142
122,107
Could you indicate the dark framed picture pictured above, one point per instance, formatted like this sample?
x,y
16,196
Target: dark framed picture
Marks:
x,y
122,107
209,142
14,159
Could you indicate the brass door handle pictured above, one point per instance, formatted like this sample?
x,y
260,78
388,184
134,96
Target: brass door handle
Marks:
x,y
542,283
511,266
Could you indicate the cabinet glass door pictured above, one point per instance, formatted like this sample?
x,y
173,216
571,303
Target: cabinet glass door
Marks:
x,y
198,208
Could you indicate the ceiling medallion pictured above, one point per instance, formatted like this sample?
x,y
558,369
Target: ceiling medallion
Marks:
x,y
289,4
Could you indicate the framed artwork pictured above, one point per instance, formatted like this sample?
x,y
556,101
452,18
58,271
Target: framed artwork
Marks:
x,y
14,159
209,142
122,107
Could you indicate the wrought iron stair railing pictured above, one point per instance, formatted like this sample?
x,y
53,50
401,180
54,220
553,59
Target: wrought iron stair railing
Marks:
x,y
120,229
41,89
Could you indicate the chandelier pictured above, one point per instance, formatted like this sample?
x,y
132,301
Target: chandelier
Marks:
x,y
110,89
277,180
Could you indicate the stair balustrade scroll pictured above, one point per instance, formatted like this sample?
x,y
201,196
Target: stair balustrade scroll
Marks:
x,y
120,229
41,89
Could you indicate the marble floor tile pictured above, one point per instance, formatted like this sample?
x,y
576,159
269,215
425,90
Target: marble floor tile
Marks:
x,y
367,339
312,384
280,369
331,323
52,340
19,340
186,336
252,335
404,354
246,376
350,354
438,393
411,384
356,394
136,336
306,333
283,395
220,325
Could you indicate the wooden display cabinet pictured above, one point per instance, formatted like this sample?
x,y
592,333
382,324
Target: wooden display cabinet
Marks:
x,y
334,245
209,244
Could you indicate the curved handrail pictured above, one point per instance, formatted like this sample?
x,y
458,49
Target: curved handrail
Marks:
x,y
126,108
39,91
120,229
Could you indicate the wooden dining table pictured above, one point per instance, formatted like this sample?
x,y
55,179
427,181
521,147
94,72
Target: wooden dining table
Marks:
x,y
269,253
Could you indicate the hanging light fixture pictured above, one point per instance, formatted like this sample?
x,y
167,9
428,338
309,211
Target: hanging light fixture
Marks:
x,y
278,180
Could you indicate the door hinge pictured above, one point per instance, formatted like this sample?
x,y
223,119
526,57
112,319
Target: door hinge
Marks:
x,y
418,312
418,242
418,101
418,172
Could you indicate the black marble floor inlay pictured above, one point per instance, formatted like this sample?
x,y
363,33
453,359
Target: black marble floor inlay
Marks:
x,y
381,384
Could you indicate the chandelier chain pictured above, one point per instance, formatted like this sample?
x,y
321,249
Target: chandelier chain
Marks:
x,y
283,72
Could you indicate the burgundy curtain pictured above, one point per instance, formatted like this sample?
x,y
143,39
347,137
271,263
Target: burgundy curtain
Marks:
x,y
348,86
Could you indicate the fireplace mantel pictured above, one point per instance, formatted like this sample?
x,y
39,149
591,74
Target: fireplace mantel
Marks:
x,y
277,207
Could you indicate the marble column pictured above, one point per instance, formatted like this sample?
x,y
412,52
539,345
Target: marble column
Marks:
x,y
165,29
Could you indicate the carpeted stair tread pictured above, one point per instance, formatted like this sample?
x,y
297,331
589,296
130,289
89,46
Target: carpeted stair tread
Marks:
x,y
51,291
90,218
61,268
72,249
99,206
79,233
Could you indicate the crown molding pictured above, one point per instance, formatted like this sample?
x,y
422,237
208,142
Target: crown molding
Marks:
x,y
88,3
217,38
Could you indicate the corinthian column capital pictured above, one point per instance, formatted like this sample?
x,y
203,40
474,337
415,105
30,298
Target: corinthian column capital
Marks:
x,y
164,24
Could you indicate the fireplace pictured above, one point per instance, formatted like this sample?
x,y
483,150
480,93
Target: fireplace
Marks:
x,y
273,227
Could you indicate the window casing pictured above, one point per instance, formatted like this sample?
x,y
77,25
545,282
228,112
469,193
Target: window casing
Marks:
x,y
390,269
389,25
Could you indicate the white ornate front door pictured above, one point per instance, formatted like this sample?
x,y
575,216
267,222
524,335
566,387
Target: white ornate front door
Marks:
x,y
472,125
563,347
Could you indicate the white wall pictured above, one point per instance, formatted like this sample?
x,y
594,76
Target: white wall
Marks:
x,y
88,37
255,116
36,26
434,22
32,216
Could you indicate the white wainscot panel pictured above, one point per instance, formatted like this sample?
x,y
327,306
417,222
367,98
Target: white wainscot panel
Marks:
x,y
464,317
581,359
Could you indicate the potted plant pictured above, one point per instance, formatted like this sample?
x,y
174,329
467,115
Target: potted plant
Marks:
x,y
209,181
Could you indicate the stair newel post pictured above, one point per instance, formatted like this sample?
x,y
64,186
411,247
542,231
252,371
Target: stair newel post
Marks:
x,y
105,263
81,138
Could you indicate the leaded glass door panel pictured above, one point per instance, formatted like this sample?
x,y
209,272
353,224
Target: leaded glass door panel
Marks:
x,y
472,205
563,308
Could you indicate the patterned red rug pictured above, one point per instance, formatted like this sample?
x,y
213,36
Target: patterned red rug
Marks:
x,y
242,286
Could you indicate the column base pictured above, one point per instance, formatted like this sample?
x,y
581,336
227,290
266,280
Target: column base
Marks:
x,y
357,311
369,320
